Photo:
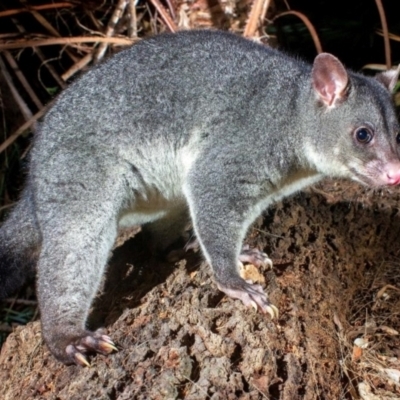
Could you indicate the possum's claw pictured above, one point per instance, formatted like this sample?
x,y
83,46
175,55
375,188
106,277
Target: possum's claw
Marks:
x,y
251,295
192,244
81,359
273,311
255,257
91,343
107,347
107,339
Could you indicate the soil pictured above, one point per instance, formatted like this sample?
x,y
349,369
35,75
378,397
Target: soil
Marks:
x,y
336,256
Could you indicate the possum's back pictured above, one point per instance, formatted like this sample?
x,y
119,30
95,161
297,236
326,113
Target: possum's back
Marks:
x,y
170,83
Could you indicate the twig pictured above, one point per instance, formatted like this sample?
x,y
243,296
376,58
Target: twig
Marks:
x,y
115,17
8,35
13,137
37,8
99,27
77,67
391,36
171,9
46,24
24,302
26,112
2,208
308,24
18,73
41,56
385,30
132,28
66,40
257,15
95,22
375,67
165,16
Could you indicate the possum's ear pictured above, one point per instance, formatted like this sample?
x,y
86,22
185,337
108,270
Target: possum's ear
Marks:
x,y
389,78
329,79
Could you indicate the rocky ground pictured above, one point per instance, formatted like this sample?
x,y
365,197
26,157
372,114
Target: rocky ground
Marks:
x,y
335,249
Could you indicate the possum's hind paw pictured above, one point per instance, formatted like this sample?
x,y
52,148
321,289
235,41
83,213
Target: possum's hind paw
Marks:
x,y
250,294
255,257
93,342
247,254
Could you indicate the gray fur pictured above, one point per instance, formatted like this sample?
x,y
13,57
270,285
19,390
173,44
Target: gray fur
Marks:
x,y
205,123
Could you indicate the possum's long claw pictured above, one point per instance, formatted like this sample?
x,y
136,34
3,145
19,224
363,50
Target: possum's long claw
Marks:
x,y
81,360
255,257
192,244
254,305
107,347
273,311
107,339
251,295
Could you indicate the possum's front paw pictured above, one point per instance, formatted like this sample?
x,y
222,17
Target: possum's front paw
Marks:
x,y
73,349
247,255
250,294
255,257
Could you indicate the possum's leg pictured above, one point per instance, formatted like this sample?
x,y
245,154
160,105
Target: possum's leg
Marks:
x,y
223,204
70,269
77,211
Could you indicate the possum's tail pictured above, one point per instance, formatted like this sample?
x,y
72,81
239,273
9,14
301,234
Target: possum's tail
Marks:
x,y
19,246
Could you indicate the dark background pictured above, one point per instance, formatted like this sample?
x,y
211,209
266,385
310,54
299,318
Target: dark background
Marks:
x,y
346,28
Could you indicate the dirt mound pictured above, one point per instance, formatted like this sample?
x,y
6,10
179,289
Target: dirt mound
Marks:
x,y
336,254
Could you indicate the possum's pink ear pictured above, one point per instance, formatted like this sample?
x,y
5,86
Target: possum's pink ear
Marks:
x,y
329,79
389,78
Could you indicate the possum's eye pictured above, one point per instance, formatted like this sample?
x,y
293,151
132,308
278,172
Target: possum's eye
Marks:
x,y
398,138
364,135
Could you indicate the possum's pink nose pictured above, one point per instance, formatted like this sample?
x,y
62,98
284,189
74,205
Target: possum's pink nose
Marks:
x,y
393,177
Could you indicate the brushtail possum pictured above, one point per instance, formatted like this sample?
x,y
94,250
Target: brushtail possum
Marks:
x,y
197,124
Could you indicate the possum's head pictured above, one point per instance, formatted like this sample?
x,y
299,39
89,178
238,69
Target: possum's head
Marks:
x,y
357,134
